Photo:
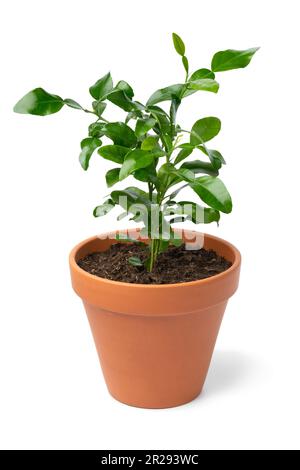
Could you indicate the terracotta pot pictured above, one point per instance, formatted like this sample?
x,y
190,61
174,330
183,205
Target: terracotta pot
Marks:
x,y
155,342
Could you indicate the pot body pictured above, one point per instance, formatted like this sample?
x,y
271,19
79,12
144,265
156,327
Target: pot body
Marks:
x,y
155,342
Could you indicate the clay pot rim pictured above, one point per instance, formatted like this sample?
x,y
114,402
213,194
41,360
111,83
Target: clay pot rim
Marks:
x,y
236,263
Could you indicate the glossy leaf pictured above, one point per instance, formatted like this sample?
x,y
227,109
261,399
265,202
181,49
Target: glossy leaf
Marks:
x,y
148,174
196,213
183,174
102,87
185,64
123,237
104,208
215,156
120,99
99,107
199,75
122,96
205,84
143,126
39,102
186,146
150,143
198,166
156,110
95,129
213,192
114,153
183,154
73,104
88,146
124,86
129,196
175,103
135,160
168,175
120,134
178,44
166,94
163,121
112,177
232,59
135,114
202,73
204,130
135,261
176,192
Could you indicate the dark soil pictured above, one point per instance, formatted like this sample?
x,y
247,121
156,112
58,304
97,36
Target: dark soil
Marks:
x,y
174,265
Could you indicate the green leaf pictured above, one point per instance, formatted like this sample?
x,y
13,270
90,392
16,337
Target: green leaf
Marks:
x,y
187,146
176,241
163,245
102,87
199,75
99,107
166,94
163,121
138,193
165,175
156,110
202,73
183,174
39,102
232,59
150,143
106,207
114,153
135,261
148,174
168,175
88,146
183,154
135,114
112,177
215,156
143,126
124,86
205,84
120,99
120,134
176,192
213,192
178,44
122,236
175,103
135,160
122,96
185,64
130,196
95,129
198,166
196,213
204,130
73,104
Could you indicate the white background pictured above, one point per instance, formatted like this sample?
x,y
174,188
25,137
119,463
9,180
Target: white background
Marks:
x,y
52,391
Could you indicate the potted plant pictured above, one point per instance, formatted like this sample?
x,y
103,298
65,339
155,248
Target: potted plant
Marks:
x,y
154,296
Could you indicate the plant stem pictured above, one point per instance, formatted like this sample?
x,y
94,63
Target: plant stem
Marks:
x,y
150,189
103,119
154,251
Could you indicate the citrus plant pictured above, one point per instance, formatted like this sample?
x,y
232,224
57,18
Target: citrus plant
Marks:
x,y
154,148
